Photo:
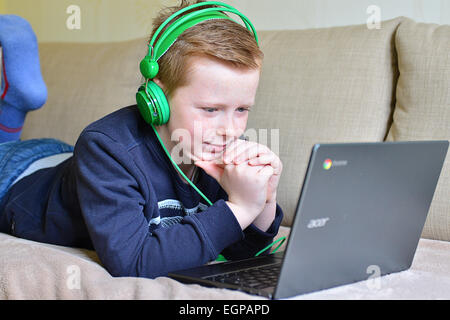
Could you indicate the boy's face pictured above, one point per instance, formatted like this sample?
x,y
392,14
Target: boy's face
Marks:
x,y
211,110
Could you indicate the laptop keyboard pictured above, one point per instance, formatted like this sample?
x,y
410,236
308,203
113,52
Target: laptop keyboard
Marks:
x,y
257,278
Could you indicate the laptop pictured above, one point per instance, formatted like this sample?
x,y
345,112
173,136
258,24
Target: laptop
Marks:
x,y
360,213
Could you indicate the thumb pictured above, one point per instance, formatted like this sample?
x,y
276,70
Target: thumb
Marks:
x,y
211,169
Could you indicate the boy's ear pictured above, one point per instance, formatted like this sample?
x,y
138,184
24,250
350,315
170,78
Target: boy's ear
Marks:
x,y
159,83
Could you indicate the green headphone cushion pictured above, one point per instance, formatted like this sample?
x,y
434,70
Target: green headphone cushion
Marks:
x,y
162,103
158,102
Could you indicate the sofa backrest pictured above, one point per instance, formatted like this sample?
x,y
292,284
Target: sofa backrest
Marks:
x,y
323,86
317,86
85,82
422,110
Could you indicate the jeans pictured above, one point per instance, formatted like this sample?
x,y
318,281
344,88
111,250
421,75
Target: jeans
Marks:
x,y
17,156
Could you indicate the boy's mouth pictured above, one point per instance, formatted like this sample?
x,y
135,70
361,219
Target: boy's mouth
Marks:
x,y
214,147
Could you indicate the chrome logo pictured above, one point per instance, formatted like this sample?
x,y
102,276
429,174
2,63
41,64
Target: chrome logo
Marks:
x,y
327,164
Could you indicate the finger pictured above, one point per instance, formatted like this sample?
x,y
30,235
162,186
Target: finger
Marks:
x,y
244,167
230,152
252,152
267,159
266,171
244,152
211,169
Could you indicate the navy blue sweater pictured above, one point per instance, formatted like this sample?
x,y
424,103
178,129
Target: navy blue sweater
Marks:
x,y
120,195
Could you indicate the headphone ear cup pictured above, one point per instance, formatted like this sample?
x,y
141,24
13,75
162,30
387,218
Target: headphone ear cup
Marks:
x,y
162,105
144,105
154,100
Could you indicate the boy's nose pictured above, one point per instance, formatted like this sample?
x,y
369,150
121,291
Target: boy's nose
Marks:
x,y
227,130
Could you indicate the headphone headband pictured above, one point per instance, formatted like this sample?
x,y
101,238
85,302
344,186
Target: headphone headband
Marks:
x,y
169,36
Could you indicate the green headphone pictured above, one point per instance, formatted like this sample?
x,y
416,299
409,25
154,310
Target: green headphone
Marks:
x,y
151,101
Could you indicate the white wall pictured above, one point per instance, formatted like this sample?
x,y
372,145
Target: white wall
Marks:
x,y
303,14
115,20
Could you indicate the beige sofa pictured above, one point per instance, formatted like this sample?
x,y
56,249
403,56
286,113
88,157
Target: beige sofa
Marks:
x,y
342,84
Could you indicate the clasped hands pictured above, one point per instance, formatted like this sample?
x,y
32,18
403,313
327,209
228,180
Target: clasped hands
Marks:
x,y
244,169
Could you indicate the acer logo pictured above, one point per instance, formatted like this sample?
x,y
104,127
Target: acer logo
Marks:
x,y
317,223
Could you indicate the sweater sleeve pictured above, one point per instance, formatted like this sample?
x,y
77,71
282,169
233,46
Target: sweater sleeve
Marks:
x,y
254,240
111,201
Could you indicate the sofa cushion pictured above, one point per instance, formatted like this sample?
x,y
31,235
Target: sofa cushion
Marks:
x,y
85,82
422,110
323,85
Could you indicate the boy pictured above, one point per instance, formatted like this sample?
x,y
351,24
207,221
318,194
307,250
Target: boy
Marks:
x,y
120,194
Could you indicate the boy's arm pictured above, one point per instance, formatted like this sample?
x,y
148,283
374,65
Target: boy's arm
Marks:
x,y
110,189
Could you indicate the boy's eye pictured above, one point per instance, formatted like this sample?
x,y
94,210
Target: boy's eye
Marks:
x,y
243,109
240,110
